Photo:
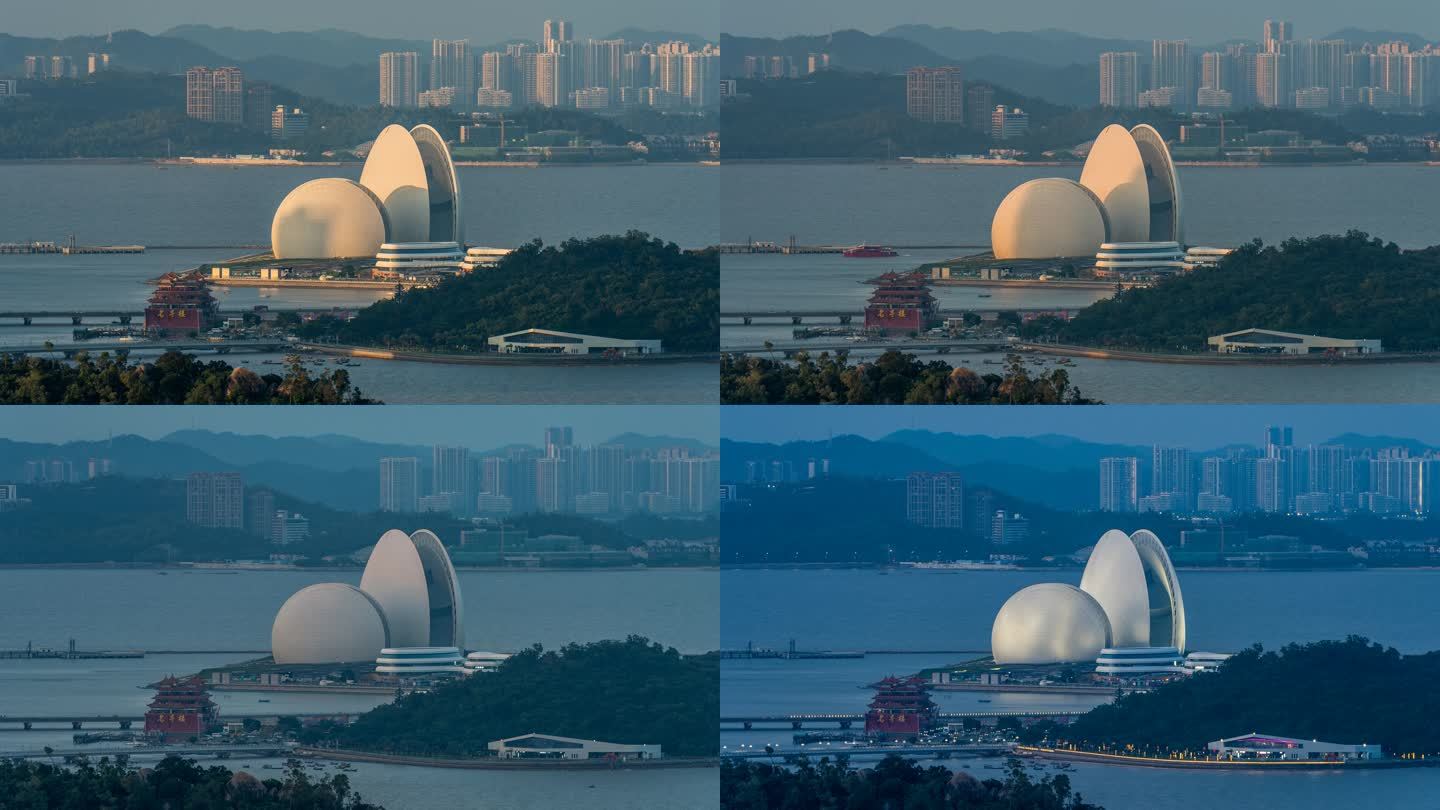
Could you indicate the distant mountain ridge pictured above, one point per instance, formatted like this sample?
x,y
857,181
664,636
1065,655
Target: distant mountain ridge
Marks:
x,y
329,46
1068,84
136,50
1049,46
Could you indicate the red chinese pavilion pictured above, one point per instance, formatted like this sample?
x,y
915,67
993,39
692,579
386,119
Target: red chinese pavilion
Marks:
x,y
902,708
182,708
180,303
901,303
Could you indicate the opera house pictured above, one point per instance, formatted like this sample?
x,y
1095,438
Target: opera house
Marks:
x,y
1127,615
405,616
1125,210
407,202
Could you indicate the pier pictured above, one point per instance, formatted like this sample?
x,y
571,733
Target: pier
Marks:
x,y
68,249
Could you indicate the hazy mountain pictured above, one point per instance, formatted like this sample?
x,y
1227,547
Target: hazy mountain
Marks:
x,y
1071,85
327,452
329,46
1049,452
136,50
638,36
849,50
1047,46
1359,36
1068,489
138,457
640,441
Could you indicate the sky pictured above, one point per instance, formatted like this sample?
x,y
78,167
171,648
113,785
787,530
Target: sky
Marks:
x,y
472,426
1195,426
1208,22
484,23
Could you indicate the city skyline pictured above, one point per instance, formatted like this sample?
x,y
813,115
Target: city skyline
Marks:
x,y
1198,427
442,424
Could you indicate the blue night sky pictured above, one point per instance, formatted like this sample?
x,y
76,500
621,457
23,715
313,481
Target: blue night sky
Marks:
x,y
477,426
1197,426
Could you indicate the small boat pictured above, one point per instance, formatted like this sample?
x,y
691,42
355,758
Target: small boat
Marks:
x,y
984,295
864,251
263,700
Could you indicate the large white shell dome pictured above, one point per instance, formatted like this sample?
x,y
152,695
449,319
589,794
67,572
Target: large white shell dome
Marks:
x,y
328,218
328,623
1115,172
1115,576
1049,623
395,171
1048,218
395,578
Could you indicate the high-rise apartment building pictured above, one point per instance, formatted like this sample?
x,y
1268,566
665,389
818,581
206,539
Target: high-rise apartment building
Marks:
x,y
399,79
556,32
935,500
1273,86
936,95
451,66
215,500
979,101
451,469
1170,67
216,95
1119,79
1119,484
400,484
1277,33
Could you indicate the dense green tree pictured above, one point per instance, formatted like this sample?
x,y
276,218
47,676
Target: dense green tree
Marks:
x,y
1347,691
894,378
894,783
172,784
174,378
631,286
1350,286
631,691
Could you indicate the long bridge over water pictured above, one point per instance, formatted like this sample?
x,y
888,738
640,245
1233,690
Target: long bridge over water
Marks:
x,y
748,317
96,346
938,751
846,720
76,722
254,751
77,317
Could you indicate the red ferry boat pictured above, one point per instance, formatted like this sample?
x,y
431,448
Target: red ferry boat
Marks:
x,y
901,709
863,251
901,303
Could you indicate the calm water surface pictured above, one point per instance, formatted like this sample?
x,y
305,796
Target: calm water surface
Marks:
x,y
845,204
197,205
179,611
952,610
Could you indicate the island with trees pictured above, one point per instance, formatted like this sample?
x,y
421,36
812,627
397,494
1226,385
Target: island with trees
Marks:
x,y
1344,286
894,782
1346,691
894,378
619,286
633,691
174,378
